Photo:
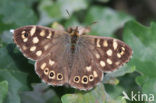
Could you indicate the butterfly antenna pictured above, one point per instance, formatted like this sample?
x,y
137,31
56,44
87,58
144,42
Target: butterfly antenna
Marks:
x,y
93,23
68,13
76,29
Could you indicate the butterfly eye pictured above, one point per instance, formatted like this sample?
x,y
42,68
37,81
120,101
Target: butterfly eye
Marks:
x,y
70,30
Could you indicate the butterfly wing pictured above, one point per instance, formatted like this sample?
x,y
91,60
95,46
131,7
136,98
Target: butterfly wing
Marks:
x,y
49,48
35,41
54,68
110,53
95,55
84,72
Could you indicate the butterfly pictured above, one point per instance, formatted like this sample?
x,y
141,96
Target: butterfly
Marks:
x,y
71,56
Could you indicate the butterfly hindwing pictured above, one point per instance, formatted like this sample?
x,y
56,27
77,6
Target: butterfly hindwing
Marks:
x,y
85,73
54,68
35,41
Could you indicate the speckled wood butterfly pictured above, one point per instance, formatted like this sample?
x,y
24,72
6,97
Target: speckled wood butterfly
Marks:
x,y
71,57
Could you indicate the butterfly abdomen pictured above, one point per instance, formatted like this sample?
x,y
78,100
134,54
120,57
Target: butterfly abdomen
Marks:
x,y
73,42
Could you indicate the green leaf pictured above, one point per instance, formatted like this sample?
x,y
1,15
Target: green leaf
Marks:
x,y
15,84
3,90
120,72
93,96
103,1
73,21
53,11
4,26
40,94
143,42
6,37
108,21
112,83
10,70
18,12
96,95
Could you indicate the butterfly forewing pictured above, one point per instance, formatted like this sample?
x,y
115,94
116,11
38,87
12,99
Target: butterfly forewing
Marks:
x,y
110,53
35,41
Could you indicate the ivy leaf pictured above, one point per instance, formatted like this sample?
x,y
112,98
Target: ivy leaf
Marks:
x,y
103,1
110,77
108,21
40,94
18,12
56,10
96,95
143,40
4,26
6,37
3,90
10,70
93,96
73,21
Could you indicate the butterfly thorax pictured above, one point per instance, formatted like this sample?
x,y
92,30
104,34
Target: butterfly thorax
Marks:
x,y
74,36
75,33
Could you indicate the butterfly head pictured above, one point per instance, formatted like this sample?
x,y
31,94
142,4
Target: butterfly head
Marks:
x,y
74,31
78,30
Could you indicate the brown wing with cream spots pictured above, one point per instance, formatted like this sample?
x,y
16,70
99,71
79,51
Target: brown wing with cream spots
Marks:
x,y
85,72
110,53
95,55
35,41
54,67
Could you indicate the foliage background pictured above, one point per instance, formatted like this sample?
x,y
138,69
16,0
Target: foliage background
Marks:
x,y
132,21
